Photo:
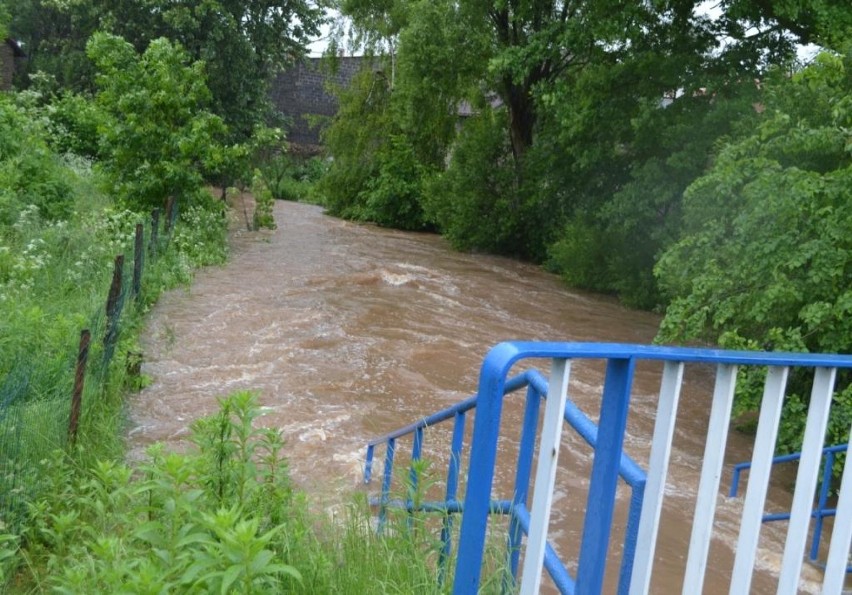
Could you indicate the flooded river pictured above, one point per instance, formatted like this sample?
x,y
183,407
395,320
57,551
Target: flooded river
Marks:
x,y
350,331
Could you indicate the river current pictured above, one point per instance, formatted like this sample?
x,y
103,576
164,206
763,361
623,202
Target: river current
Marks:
x,y
349,331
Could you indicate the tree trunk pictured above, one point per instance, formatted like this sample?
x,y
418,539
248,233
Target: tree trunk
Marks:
x,y
521,119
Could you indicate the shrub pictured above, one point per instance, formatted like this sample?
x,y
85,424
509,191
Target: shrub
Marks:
x,y
158,138
221,517
263,218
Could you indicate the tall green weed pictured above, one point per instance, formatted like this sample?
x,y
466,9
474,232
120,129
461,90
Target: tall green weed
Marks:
x,y
59,235
223,517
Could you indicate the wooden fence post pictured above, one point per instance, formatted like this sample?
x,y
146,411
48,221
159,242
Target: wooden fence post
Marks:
x,y
170,207
113,307
155,230
79,379
137,262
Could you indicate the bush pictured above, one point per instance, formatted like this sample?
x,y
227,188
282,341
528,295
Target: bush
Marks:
x,y
158,138
263,218
31,175
289,178
223,517
473,203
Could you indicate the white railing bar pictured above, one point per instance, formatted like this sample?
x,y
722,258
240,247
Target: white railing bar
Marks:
x,y
658,466
841,534
711,474
806,480
758,478
545,475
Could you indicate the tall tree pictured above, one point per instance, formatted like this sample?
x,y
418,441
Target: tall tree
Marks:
x,y
157,138
242,42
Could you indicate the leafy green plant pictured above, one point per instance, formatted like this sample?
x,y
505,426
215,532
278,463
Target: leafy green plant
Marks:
x,y
158,138
223,517
263,217
8,554
290,179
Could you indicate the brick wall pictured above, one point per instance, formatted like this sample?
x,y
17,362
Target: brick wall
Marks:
x,y
7,66
300,91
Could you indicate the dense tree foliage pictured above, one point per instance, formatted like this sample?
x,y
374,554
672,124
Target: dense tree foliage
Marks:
x,y
584,158
54,35
158,140
766,249
391,137
764,260
674,158
242,42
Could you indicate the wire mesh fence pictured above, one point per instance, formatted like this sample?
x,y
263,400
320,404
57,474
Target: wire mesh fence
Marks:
x,y
45,396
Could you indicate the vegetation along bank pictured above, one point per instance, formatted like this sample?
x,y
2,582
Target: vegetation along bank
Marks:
x,y
683,161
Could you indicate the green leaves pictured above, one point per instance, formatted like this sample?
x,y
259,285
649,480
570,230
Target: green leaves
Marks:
x,y
236,556
768,234
158,140
220,519
765,261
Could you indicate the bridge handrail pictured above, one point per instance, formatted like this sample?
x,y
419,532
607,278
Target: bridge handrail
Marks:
x,y
794,456
628,470
516,383
610,462
820,512
586,428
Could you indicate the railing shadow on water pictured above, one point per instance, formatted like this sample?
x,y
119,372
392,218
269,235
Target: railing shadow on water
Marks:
x,y
611,464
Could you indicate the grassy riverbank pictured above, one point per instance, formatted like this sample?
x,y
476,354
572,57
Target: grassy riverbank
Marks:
x,y
221,518
74,517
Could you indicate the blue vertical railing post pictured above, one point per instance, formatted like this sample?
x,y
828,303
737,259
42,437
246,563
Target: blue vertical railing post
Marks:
x,y
368,464
522,482
823,502
604,478
414,472
631,536
452,489
386,483
483,455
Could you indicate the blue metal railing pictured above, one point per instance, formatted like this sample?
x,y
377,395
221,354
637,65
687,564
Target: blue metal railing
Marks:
x,y
516,508
610,464
820,512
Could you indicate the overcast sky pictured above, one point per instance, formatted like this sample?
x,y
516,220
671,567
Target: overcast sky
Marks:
x,y
316,48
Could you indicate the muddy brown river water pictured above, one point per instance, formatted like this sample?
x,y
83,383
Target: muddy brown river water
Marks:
x,y
349,331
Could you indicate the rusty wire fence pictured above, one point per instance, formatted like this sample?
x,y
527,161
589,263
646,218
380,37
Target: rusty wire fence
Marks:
x,y
45,397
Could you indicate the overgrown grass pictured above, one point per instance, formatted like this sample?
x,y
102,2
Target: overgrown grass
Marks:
x,y
223,517
55,272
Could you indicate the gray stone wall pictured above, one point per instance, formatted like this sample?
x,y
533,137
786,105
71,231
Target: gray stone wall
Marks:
x,y
301,91
7,65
